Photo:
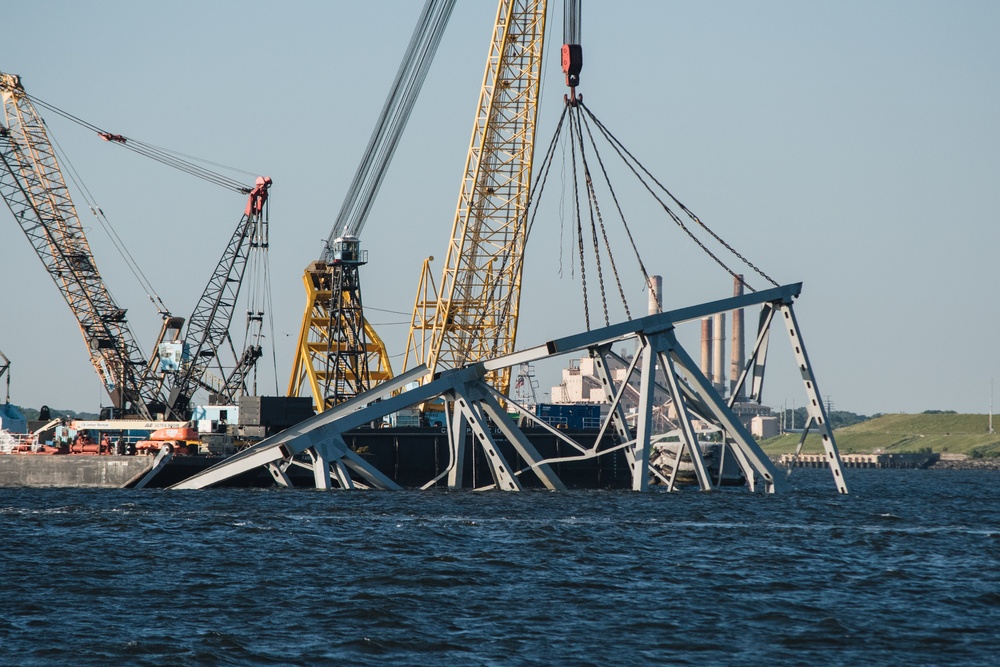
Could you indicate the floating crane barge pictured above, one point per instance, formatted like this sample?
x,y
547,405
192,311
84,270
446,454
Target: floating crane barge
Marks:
x,y
462,336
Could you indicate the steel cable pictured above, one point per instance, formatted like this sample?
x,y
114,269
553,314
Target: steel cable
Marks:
x,y
620,149
134,267
180,161
579,225
621,216
392,121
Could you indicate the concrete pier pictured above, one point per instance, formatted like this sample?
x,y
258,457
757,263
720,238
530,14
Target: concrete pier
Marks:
x,y
71,471
97,471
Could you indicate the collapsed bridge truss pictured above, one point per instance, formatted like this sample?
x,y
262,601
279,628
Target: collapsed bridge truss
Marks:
x,y
472,403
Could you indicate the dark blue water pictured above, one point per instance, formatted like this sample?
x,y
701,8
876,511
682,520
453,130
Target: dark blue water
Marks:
x,y
902,571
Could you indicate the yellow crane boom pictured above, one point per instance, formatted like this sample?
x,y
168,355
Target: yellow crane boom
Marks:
x,y
474,314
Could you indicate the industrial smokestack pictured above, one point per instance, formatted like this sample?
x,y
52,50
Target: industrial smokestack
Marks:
x,y
706,347
738,354
719,352
655,295
655,306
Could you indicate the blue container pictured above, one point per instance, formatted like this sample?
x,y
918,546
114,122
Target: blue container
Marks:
x,y
569,416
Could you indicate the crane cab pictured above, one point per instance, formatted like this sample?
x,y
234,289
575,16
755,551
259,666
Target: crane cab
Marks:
x,y
347,250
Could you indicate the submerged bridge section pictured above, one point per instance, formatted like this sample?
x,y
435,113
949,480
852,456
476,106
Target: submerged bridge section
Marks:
x,y
659,365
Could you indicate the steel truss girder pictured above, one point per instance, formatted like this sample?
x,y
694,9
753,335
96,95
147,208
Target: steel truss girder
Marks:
x,y
497,415
618,418
472,401
321,433
503,477
753,460
814,406
689,440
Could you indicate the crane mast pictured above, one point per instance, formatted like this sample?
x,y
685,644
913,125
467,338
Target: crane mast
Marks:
x,y
339,353
475,313
33,187
208,326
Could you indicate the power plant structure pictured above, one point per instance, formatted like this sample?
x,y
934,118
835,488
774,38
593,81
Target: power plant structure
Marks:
x,y
713,347
581,384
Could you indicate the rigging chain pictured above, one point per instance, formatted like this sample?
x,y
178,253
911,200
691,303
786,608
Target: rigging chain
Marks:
x,y
534,193
577,137
621,216
595,207
579,228
635,166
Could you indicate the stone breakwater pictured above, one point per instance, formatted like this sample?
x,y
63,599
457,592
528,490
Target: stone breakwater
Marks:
x,y
934,461
967,464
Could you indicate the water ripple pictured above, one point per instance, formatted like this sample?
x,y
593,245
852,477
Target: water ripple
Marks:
x,y
904,570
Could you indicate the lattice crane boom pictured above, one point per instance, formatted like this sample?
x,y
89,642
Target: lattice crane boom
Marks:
x,y
33,187
475,314
208,327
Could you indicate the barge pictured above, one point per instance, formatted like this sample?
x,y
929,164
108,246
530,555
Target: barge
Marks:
x,y
410,456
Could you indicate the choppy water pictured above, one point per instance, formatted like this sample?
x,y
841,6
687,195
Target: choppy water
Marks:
x,y
902,571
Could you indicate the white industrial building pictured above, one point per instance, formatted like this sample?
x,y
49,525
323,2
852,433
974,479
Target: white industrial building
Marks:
x,y
580,383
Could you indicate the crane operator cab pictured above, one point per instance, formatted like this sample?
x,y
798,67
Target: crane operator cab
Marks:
x,y
347,250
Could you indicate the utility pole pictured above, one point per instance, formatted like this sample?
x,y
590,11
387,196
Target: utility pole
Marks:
x,y
5,370
991,407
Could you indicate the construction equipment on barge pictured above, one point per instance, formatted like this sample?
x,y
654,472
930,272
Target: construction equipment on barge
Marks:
x,y
34,189
473,384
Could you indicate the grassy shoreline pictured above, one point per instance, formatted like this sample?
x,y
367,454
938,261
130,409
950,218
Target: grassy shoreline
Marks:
x,y
940,433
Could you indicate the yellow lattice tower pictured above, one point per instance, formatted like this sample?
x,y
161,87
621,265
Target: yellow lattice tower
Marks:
x,y
338,354
474,315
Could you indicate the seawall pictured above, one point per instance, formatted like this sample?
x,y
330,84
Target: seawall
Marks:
x,y
70,470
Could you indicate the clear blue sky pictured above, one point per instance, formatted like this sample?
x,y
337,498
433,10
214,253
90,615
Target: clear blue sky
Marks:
x,y
849,145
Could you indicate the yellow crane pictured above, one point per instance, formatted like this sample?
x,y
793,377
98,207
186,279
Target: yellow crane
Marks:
x,y
339,354
474,314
